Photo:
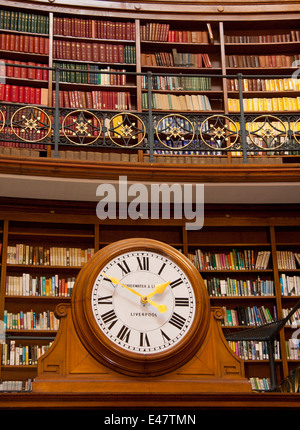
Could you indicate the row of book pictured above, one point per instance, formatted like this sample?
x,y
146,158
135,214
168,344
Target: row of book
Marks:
x,y
30,320
42,286
160,32
22,355
179,103
177,83
235,259
108,100
23,94
175,59
74,74
260,84
23,21
249,316
48,256
294,321
239,287
93,28
94,52
40,74
291,36
24,43
260,384
288,260
262,104
254,350
292,347
289,285
16,386
264,61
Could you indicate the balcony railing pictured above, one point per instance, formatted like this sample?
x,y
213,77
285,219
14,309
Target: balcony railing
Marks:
x,y
152,131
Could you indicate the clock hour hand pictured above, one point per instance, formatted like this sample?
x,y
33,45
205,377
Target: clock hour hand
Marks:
x,y
158,289
161,308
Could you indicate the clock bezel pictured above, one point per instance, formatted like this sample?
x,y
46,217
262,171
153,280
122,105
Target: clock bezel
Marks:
x,y
111,354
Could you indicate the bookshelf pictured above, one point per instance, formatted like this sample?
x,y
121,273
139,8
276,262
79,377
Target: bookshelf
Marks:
x,y
161,45
30,291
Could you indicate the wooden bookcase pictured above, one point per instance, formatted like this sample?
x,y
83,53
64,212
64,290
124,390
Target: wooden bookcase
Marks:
x,y
74,41
218,236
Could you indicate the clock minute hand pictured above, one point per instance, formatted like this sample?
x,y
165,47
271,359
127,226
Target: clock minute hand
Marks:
x,y
117,282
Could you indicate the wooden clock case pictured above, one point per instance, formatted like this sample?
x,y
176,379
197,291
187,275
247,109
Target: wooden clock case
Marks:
x,y
82,359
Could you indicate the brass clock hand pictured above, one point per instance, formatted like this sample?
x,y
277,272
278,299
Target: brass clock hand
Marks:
x,y
161,308
117,282
158,289
144,299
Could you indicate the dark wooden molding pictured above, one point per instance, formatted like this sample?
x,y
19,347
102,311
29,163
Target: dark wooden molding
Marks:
x,y
188,173
236,401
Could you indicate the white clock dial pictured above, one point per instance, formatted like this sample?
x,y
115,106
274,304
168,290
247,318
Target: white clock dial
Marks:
x,y
143,302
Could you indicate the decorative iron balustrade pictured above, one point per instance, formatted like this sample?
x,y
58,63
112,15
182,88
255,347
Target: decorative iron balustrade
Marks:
x,y
193,132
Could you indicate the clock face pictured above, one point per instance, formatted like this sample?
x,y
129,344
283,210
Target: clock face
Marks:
x,y
143,302
140,307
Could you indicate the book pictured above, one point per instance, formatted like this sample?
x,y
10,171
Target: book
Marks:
x,y
263,104
161,32
8,70
186,102
238,287
93,28
263,61
287,36
235,259
254,350
24,43
94,52
22,355
23,94
106,100
22,21
261,84
47,256
247,316
176,59
97,76
30,320
42,286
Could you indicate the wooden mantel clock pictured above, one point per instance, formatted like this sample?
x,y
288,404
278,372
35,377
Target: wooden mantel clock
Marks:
x,y
140,314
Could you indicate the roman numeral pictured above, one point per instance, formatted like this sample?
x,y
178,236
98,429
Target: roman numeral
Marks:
x,y
124,267
177,321
144,340
124,334
181,301
165,337
162,268
143,263
176,283
109,317
106,300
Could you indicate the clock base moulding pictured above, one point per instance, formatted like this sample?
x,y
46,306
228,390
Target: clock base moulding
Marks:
x,y
68,367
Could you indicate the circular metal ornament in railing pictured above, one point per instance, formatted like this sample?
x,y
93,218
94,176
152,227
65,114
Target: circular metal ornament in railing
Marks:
x,y
81,127
175,131
219,131
2,121
267,132
126,130
31,124
296,131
